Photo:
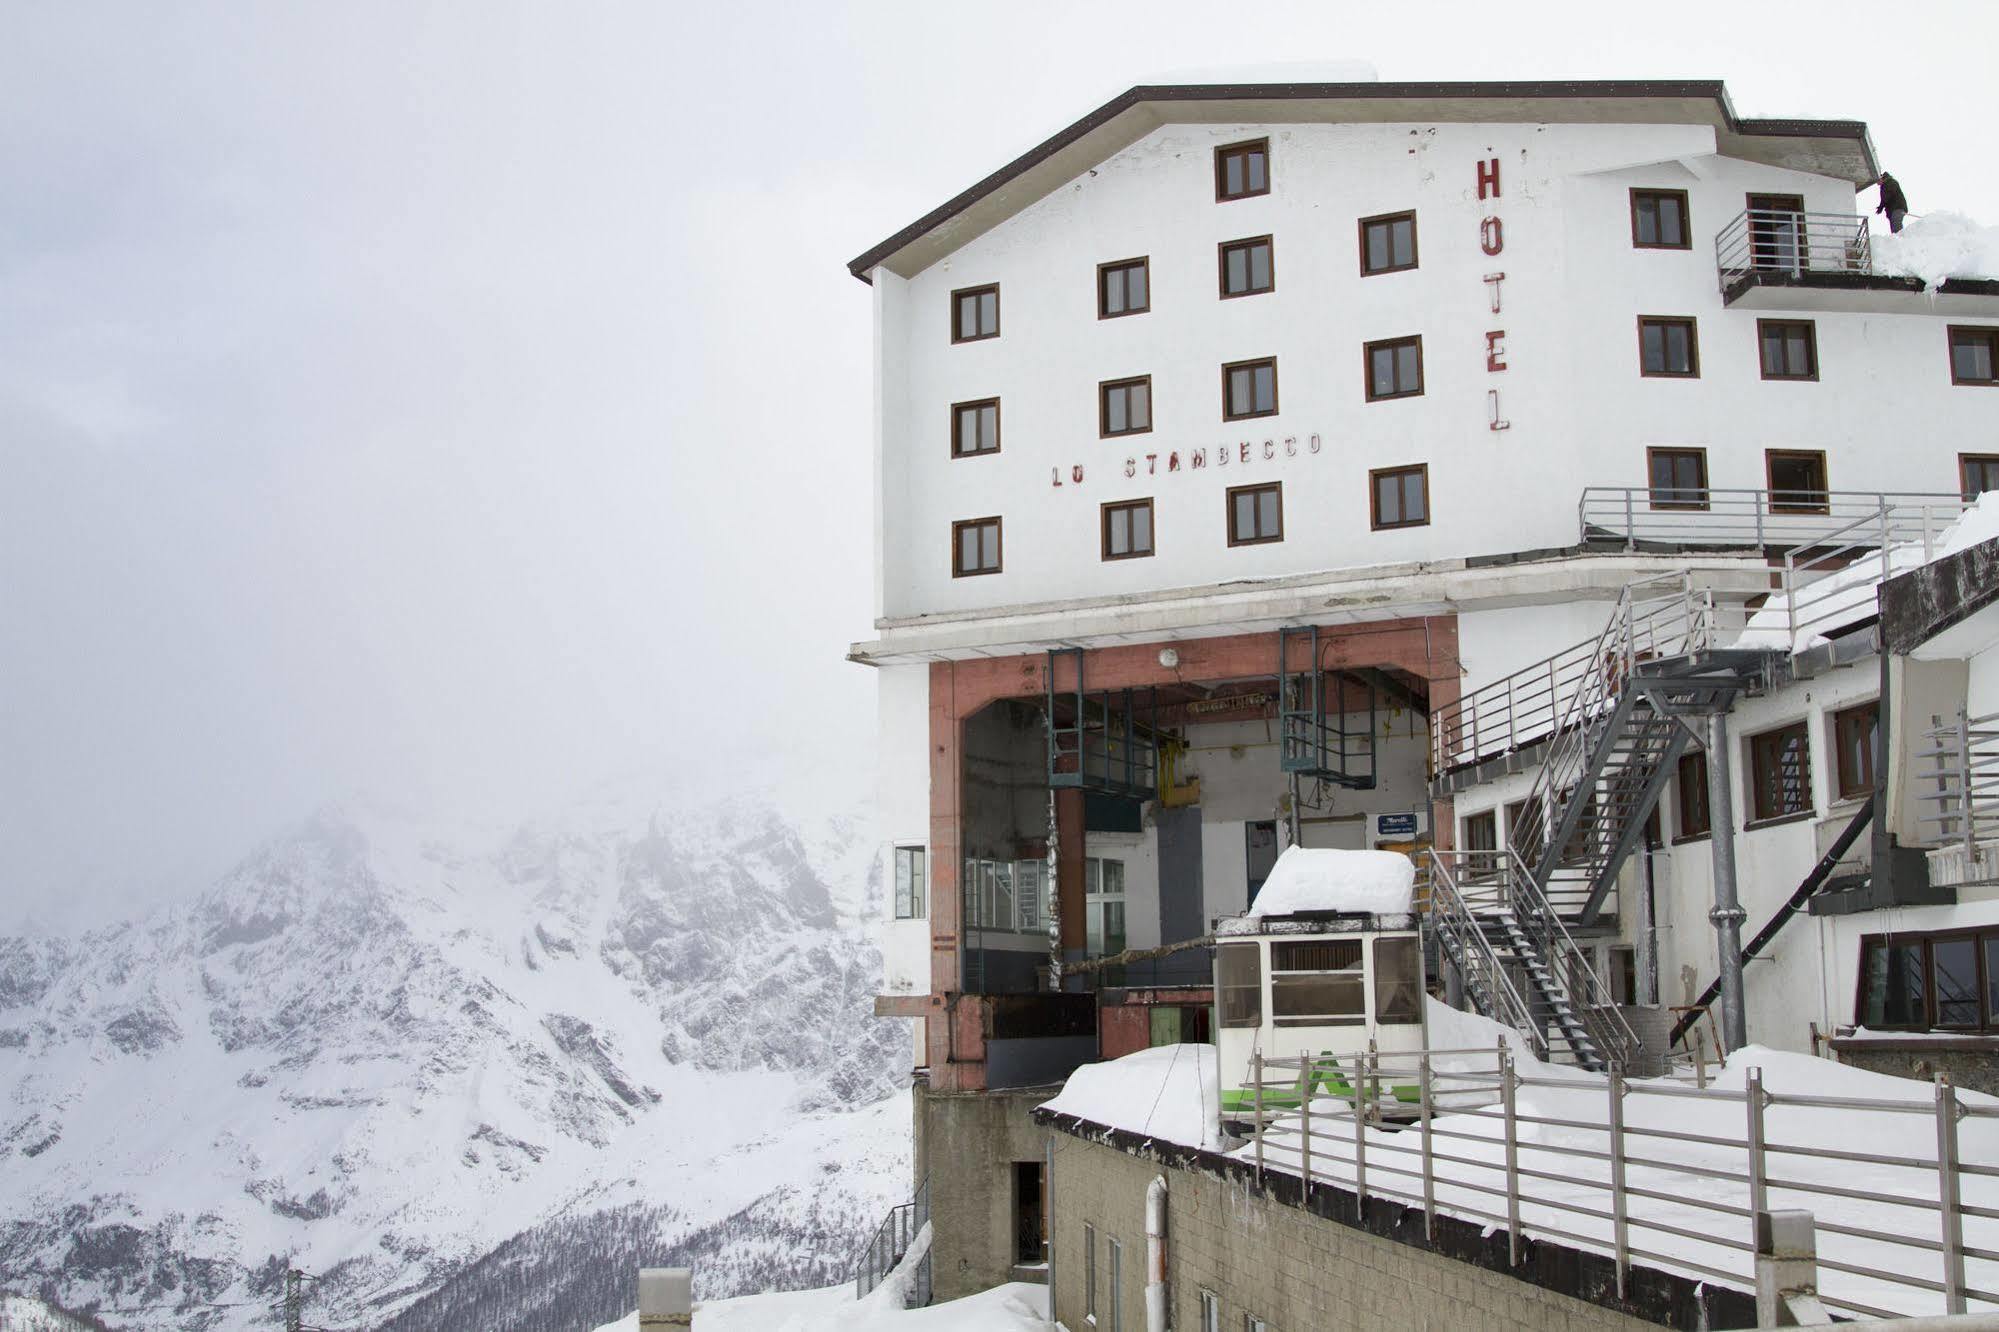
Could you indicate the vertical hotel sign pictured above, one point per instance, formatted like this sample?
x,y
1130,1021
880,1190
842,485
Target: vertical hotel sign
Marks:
x,y
1492,241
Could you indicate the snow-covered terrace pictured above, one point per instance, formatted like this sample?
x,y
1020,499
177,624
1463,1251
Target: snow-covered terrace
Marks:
x,y
1674,1186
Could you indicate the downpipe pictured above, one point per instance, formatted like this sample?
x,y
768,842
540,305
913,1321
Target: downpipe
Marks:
x,y
1155,1255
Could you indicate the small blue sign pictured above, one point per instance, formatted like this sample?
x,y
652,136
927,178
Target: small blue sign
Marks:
x,y
1395,825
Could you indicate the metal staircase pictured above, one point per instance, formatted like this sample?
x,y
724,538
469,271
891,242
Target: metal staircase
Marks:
x,y
890,1244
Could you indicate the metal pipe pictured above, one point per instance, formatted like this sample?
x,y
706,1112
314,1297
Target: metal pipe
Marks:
x,y
1727,913
1155,1255
1947,1196
1052,894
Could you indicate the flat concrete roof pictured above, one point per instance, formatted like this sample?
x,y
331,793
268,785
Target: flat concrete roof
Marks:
x,y
1837,148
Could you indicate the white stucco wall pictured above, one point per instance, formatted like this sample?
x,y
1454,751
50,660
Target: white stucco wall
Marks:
x,y
902,759
1574,287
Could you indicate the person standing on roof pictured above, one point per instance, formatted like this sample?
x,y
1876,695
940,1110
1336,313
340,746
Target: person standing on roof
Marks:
x,y
1893,202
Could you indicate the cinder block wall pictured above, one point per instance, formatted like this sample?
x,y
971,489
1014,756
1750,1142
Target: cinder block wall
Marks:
x,y
968,1143
1301,1271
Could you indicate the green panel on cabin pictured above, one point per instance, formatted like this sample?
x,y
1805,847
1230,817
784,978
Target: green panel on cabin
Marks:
x,y
1166,1024
1109,813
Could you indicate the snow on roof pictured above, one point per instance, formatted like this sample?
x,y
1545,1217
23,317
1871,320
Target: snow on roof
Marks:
x,y
1936,246
1374,883
1016,1306
1167,1093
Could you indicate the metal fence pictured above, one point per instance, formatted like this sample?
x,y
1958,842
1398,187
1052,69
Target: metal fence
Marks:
x,y
1963,780
1635,1180
889,1245
1784,240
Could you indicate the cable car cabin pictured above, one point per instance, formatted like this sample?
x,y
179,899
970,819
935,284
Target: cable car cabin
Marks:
x,y
1299,976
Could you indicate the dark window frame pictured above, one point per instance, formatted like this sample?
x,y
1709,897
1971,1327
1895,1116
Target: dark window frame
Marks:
x,y
1686,241
1367,351
957,336
1824,490
1989,335
957,547
1250,364
1151,528
1487,821
1763,326
1766,782
1693,816
1981,938
1228,498
1245,148
1987,463
1849,784
957,425
1389,219
919,898
1222,252
1692,325
1122,267
1104,390
1653,490
1374,479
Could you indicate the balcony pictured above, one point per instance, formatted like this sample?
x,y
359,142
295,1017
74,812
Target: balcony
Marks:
x,y
1785,259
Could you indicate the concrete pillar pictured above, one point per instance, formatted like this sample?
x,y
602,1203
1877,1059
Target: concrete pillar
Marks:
x,y
1727,913
666,1297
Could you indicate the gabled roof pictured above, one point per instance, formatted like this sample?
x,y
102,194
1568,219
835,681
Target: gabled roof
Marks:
x,y
1837,148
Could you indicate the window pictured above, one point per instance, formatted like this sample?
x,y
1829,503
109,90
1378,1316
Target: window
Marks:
x,y
1128,529
1398,980
1679,478
1249,388
1247,267
1523,827
975,314
1789,348
1974,356
1124,288
1855,731
1090,1272
975,547
1394,368
975,428
1115,1271
1621,973
1659,220
910,893
1124,406
1318,984
1401,496
1242,170
1103,909
1948,980
1387,243
1691,797
1211,1312
1256,514
1482,831
1780,767
1797,480
1251,1323
1239,973
1666,348
1029,878
1979,472
1776,231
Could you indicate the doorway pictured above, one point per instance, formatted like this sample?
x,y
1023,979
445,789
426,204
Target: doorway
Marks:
x,y
1029,1216
1260,853
1777,232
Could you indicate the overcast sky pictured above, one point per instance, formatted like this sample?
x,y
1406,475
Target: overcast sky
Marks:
x,y
463,403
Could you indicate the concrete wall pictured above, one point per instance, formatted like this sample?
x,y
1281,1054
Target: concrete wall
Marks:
x,y
967,1143
1325,1268
1573,291
902,785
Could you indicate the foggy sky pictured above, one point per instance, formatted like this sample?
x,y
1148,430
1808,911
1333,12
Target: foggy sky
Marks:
x,y
465,403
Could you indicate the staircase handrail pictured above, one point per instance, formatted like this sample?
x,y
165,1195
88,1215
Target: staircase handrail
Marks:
x,y
1452,918
890,1243
1615,1039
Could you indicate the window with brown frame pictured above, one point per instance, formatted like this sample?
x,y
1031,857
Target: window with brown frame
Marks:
x,y
1668,348
1659,220
1387,243
1788,348
1124,288
1690,797
1855,731
1523,826
1249,388
1974,355
1124,406
975,427
975,314
1945,980
1678,477
1797,480
1400,496
1482,831
1978,473
1127,529
1780,770
1256,514
1393,367
975,547
1247,267
1242,170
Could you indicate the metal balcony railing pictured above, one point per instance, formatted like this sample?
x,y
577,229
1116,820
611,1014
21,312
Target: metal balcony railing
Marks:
x,y
1962,784
885,1250
1781,241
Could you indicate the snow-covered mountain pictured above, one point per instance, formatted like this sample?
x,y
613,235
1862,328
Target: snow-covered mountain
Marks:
x,y
467,1078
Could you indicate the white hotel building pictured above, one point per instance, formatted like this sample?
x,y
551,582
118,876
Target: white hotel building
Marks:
x,y
1265,463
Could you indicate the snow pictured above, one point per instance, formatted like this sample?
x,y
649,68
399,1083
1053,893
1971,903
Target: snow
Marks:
x,y
1936,246
1167,1092
1377,883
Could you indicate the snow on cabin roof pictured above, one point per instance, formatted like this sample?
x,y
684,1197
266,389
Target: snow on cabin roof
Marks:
x,y
1936,247
1837,148
1169,1093
1309,880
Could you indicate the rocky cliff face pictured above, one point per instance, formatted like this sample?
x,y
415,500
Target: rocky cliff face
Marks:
x,y
431,1066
